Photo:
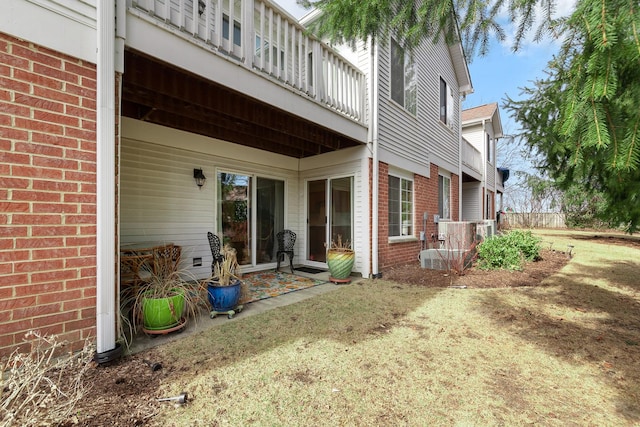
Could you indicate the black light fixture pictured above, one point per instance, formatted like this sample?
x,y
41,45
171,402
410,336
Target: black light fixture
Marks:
x,y
201,6
199,177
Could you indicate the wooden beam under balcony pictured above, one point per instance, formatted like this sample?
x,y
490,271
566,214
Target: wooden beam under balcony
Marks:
x,y
159,93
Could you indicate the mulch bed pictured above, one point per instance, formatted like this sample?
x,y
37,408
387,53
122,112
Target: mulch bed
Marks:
x,y
532,275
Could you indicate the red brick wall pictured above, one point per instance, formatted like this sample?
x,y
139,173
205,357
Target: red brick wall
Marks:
x,y
425,200
455,197
47,194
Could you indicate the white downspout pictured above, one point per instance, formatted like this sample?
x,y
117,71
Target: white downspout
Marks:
x,y
460,147
485,158
106,309
374,147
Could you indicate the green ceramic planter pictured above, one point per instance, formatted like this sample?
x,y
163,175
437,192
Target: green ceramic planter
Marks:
x,y
340,262
162,313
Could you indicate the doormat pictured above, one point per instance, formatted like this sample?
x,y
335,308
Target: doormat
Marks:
x,y
269,284
310,270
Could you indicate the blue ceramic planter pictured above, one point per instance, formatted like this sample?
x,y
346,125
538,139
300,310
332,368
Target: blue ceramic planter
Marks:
x,y
223,298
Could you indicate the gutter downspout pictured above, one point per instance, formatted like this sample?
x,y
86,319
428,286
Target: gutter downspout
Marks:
x,y
105,189
374,147
485,159
460,147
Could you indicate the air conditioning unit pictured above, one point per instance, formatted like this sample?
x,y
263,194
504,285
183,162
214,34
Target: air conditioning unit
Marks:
x,y
486,228
456,234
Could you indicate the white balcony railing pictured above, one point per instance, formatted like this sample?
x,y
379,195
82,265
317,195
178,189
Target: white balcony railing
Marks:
x,y
261,36
471,157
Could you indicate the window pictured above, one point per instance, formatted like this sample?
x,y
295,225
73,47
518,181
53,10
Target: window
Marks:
x,y
444,196
403,78
446,103
489,150
400,206
269,57
237,33
250,208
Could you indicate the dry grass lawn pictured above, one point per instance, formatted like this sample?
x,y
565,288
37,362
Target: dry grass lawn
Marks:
x,y
565,352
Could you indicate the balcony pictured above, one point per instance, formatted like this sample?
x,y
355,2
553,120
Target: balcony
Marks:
x,y
471,160
248,49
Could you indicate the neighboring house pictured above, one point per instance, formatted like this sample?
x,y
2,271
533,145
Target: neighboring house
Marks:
x,y
482,180
103,129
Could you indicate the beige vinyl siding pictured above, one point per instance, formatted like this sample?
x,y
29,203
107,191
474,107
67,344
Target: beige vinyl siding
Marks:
x,y
471,201
160,202
476,135
415,138
350,162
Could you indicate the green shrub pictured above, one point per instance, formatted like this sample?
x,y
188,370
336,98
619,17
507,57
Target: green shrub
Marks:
x,y
526,242
508,251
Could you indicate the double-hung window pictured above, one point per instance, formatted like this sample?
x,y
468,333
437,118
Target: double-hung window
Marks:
x,y
403,78
444,197
272,55
237,32
446,103
400,206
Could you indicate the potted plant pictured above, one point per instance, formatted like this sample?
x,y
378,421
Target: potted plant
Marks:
x,y
165,301
340,260
225,290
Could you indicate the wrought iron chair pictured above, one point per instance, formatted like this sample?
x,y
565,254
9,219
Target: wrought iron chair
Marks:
x,y
286,241
214,242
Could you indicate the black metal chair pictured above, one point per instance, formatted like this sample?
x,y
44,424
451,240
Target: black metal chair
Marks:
x,y
214,242
286,240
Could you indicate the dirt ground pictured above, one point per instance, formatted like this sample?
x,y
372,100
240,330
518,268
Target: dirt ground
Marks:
x,y
533,273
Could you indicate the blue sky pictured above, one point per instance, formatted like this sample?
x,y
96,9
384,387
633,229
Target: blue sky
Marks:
x,y
502,72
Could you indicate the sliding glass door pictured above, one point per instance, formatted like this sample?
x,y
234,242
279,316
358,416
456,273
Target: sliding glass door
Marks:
x,y
326,225
317,220
250,206
269,218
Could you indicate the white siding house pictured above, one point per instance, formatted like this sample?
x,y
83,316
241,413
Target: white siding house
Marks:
x,y
105,121
482,182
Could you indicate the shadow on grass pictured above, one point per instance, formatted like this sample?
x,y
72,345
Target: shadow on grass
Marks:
x,y
348,315
597,323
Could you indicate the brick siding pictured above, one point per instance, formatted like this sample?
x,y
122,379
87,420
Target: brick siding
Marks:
x,y
47,194
425,200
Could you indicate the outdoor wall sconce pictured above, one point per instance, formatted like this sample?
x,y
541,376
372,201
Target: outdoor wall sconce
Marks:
x,y
201,6
199,177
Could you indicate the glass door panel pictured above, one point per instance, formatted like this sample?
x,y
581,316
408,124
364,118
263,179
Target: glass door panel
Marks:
x,y
341,209
234,191
269,218
317,220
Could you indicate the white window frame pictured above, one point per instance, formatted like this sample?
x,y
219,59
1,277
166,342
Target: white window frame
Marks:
x,y
406,230
273,56
446,103
409,91
489,149
444,197
226,30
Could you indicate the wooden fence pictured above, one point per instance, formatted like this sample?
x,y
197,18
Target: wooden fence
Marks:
x,y
533,220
